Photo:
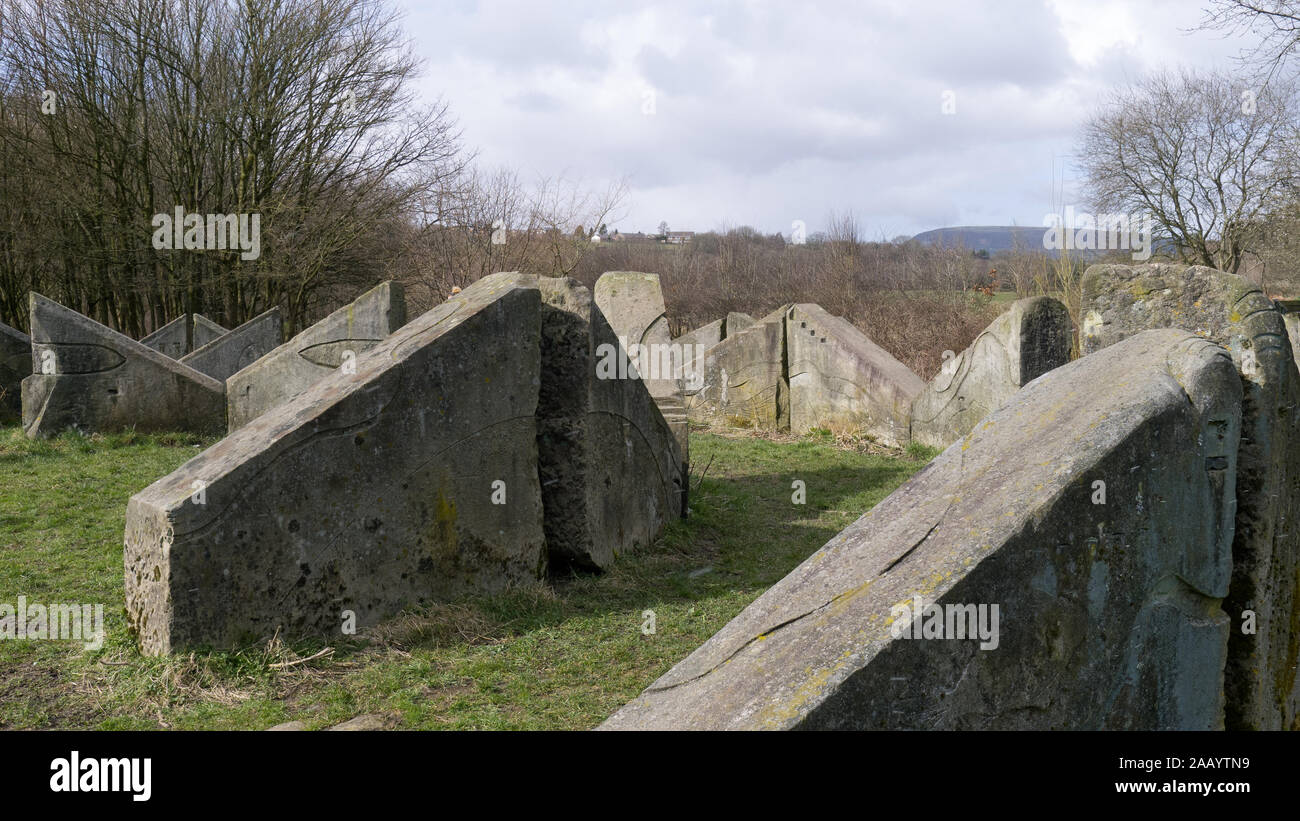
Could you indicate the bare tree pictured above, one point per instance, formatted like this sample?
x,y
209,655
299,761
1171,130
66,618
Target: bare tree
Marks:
x,y
845,238
299,111
561,207
1205,155
1275,22
490,220
1024,265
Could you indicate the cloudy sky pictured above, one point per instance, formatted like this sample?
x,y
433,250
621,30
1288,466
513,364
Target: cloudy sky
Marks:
x,y
761,113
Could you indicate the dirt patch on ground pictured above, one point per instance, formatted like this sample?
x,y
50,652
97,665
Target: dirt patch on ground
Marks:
x,y
44,694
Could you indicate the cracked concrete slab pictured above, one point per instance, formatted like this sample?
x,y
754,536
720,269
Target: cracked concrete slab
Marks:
x,y
1109,613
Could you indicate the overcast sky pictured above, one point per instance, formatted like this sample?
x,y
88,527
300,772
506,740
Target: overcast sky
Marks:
x,y
764,113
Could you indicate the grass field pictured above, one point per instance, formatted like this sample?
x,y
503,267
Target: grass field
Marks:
x,y
562,655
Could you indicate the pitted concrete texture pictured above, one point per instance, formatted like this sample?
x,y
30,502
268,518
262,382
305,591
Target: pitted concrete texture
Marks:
x,y
93,379
1031,338
333,343
1108,614
412,477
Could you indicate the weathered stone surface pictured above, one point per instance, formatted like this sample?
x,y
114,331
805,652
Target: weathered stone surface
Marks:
x,y
1027,341
223,357
840,378
1120,300
633,304
742,380
368,492
170,338
695,344
288,727
316,352
1291,317
1109,614
92,378
737,322
365,723
673,410
206,331
15,365
611,469
706,335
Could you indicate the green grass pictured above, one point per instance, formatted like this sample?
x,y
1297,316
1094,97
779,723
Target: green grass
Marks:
x,y
562,655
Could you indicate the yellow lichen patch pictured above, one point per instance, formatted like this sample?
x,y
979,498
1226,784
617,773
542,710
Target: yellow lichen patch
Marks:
x,y
779,715
906,602
844,599
443,540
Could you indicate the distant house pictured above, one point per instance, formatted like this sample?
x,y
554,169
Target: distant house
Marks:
x,y
675,237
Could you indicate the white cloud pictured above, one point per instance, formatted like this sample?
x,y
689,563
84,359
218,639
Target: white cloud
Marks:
x,y
766,112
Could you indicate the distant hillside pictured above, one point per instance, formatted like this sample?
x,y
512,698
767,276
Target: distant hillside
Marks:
x,y
991,238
